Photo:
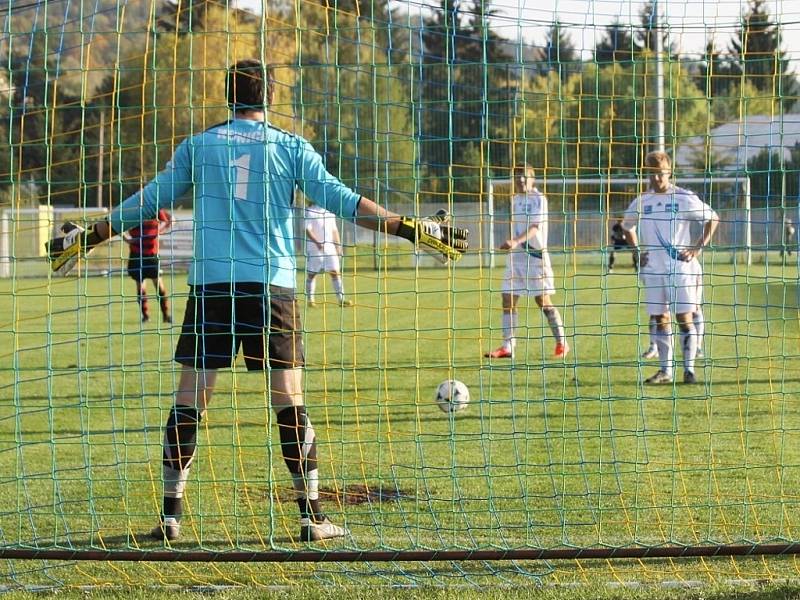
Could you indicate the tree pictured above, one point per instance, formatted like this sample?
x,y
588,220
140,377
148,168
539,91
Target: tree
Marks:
x,y
482,88
466,94
605,120
353,99
774,177
440,35
714,72
617,44
560,53
744,100
42,121
177,89
756,53
185,16
645,36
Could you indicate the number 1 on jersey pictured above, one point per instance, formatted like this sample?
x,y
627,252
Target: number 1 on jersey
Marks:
x,y
242,176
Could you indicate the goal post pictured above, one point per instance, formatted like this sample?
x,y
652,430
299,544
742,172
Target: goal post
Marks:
x,y
598,199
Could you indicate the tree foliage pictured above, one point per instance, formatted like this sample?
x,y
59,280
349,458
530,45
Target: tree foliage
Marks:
x,y
177,90
430,107
775,177
756,52
560,54
601,121
616,45
352,99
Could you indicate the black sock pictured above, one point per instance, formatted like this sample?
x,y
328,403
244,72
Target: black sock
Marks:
x,y
299,448
180,434
173,508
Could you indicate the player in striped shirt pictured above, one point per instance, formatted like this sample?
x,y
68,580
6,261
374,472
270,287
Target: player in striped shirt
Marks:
x,y
658,223
243,174
144,264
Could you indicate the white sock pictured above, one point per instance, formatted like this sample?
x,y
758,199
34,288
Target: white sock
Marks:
x,y
338,286
556,325
311,287
653,328
699,326
509,324
664,345
689,346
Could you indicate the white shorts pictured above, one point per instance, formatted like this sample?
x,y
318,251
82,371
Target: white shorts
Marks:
x,y
528,275
322,262
699,289
676,292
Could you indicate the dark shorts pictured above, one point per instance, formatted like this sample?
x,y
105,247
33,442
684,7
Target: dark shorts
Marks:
x,y
620,245
143,267
218,321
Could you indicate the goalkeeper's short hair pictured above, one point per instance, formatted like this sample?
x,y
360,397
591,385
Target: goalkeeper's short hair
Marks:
x,y
249,85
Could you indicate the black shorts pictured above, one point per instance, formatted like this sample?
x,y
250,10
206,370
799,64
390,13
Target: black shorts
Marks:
x,y
265,323
143,267
620,245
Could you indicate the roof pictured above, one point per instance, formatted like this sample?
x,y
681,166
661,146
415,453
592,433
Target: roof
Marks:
x,y
739,141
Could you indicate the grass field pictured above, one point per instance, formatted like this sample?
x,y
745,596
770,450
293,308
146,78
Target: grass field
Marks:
x,y
549,453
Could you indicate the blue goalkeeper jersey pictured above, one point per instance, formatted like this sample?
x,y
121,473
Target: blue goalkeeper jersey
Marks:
x,y
243,175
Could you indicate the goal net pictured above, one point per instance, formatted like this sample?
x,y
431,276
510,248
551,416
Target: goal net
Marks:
x,y
565,467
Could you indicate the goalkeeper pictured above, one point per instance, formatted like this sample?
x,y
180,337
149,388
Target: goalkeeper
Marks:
x,y
243,175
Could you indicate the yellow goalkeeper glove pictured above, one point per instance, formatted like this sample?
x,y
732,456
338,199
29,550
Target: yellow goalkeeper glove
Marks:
x,y
435,235
65,251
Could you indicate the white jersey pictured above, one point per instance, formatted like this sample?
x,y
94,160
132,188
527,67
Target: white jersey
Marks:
x,y
663,224
527,210
322,224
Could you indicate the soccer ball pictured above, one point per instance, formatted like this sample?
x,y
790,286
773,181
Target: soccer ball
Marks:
x,y
452,396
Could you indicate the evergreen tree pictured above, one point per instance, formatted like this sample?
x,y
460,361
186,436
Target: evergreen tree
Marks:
x,y
484,80
617,44
774,177
644,37
714,72
442,36
560,53
756,52
354,100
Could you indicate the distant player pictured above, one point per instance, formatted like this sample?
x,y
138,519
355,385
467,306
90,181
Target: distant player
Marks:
x,y
144,264
323,252
788,237
528,270
618,242
658,224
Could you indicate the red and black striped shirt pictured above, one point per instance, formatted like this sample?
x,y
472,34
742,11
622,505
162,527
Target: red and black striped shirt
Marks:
x,y
144,239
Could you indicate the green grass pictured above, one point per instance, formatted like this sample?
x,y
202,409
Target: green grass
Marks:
x,y
549,453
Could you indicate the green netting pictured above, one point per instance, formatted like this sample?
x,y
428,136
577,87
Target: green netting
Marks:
x,y
418,107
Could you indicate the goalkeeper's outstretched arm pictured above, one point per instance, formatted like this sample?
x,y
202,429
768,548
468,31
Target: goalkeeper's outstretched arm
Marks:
x,y
76,242
433,234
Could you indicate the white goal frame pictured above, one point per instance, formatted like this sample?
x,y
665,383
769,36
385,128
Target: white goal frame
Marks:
x,y
604,182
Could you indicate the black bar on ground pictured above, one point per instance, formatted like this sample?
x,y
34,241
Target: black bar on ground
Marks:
x,y
402,555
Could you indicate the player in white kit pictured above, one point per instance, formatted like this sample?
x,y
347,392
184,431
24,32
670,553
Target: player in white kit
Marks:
x,y
698,318
658,223
323,251
528,269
